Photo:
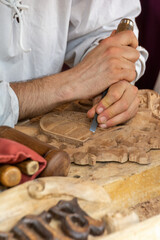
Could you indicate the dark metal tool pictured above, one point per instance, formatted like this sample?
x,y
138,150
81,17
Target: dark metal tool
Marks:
x,y
125,24
94,121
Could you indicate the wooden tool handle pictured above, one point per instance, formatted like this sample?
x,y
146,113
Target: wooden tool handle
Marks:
x,y
125,24
58,164
10,176
28,167
58,161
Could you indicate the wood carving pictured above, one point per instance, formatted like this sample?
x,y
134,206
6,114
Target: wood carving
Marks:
x,y
48,207
68,128
75,223
39,195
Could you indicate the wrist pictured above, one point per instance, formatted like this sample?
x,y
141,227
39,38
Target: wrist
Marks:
x,y
66,86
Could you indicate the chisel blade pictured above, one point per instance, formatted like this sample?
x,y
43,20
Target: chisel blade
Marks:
x,y
94,123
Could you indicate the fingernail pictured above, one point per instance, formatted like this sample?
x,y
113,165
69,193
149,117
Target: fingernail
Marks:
x,y
100,110
102,125
103,119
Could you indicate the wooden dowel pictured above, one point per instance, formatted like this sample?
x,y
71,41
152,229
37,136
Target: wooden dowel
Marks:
x,y
10,175
28,167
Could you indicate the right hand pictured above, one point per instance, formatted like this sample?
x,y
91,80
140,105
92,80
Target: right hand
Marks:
x,y
111,61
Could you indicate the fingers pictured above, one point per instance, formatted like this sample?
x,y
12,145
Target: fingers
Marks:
x,y
122,117
120,69
125,38
130,53
118,100
113,60
91,112
114,94
125,52
97,99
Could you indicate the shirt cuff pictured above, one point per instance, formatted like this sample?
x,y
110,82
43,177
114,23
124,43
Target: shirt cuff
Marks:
x,y
9,106
140,63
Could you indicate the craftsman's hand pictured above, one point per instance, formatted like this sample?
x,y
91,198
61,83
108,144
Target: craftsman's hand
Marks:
x,y
111,61
119,105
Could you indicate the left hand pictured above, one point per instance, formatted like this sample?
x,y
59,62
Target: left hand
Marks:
x,y
119,105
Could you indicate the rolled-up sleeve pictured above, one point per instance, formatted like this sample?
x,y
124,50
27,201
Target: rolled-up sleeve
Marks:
x,y
94,20
9,106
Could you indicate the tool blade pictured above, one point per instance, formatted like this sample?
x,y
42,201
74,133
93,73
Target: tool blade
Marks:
x,y
94,123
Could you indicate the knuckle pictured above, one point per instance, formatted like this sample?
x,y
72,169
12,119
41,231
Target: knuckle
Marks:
x,y
110,113
112,50
135,90
115,95
106,42
112,64
125,105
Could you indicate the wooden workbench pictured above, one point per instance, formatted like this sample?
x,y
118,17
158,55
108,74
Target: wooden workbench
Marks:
x,y
103,189
126,185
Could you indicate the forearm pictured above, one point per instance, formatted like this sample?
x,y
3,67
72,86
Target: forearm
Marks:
x,y
40,96
102,67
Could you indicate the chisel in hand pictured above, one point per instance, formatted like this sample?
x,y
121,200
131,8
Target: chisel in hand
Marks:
x,y
125,24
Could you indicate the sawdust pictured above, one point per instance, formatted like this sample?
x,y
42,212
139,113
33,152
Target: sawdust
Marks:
x,y
147,209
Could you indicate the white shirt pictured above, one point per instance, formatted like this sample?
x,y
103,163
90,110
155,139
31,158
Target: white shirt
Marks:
x,y
56,31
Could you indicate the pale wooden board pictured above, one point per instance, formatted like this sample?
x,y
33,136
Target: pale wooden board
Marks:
x,y
33,197
147,230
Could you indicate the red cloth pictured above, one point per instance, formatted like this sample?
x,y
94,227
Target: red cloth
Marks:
x,y
12,152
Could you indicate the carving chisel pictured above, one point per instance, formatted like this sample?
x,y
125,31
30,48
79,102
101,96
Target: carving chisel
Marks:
x,y
125,24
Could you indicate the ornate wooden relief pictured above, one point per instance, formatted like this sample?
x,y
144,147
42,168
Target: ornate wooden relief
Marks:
x,y
34,197
68,129
27,211
75,223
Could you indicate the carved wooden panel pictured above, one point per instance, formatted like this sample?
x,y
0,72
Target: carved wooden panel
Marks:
x,y
67,127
